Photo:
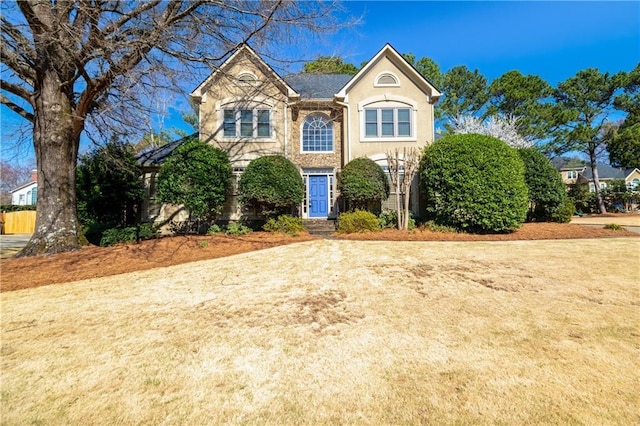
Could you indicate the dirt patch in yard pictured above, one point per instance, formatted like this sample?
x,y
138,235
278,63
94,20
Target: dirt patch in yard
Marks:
x,y
93,262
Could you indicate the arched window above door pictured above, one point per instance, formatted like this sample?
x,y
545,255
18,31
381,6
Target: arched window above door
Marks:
x,y
317,134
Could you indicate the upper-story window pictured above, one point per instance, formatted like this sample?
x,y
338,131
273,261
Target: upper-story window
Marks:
x,y
247,78
317,134
387,122
247,123
572,174
386,79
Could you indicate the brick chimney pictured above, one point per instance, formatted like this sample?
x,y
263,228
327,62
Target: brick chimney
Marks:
x,y
34,175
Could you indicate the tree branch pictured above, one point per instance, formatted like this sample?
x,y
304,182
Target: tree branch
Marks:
x,y
12,60
12,31
16,90
32,17
16,108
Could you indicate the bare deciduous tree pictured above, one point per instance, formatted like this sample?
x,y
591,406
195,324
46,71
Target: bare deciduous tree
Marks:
x,y
402,170
74,66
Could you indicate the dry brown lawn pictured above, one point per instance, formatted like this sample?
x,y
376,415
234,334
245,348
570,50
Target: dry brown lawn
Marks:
x,y
337,332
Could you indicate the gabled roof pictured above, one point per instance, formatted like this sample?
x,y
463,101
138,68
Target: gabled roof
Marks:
x,y
401,63
265,68
156,156
317,86
24,185
606,171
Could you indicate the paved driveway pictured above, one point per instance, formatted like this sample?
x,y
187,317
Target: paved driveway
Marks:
x,y
12,243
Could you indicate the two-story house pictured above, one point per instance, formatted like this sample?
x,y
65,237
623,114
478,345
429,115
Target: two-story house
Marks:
x,y
318,121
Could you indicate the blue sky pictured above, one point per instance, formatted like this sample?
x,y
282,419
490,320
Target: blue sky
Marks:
x,y
553,40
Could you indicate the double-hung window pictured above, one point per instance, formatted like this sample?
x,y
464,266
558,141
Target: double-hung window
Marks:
x,y
247,123
387,122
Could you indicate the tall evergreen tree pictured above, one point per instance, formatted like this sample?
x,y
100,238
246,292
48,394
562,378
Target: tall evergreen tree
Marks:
x,y
586,101
525,98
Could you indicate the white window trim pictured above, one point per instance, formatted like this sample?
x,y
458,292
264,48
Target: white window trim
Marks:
x,y
333,135
252,82
388,101
384,73
254,105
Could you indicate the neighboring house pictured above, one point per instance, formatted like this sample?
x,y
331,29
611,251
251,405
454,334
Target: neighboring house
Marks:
x,y
607,173
318,121
569,169
27,192
575,171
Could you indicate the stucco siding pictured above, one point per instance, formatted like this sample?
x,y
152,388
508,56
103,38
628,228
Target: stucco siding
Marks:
x,y
407,93
228,91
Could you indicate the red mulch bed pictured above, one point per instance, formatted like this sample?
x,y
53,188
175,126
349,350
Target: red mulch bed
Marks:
x,y
93,262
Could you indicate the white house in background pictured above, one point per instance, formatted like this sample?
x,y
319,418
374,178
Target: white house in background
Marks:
x,y
26,193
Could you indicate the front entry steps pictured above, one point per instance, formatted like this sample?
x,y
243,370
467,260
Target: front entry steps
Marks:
x,y
320,227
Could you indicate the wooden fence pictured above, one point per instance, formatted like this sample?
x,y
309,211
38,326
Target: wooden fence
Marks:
x,y
23,222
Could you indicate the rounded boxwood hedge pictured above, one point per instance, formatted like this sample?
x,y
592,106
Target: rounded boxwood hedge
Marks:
x,y
474,183
362,182
271,184
547,193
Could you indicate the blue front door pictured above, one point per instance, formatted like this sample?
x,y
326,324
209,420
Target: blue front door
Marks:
x,y
318,196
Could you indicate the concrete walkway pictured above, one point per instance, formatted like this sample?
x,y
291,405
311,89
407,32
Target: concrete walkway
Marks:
x,y
10,244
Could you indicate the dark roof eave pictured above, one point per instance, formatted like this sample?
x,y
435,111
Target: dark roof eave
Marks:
x,y
157,156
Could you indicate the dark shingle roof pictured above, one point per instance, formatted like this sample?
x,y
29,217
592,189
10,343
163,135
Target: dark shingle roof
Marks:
x,y
566,163
156,156
605,171
317,86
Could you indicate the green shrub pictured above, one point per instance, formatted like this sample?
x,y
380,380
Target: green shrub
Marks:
x,y
564,213
272,185
215,229
284,224
547,192
108,185
93,231
582,199
129,234
236,228
6,208
357,221
474,183
196,175
363,184
613,226
389,219
434,227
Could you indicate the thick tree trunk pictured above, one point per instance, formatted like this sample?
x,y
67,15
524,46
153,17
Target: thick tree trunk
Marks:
x,y
56,137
